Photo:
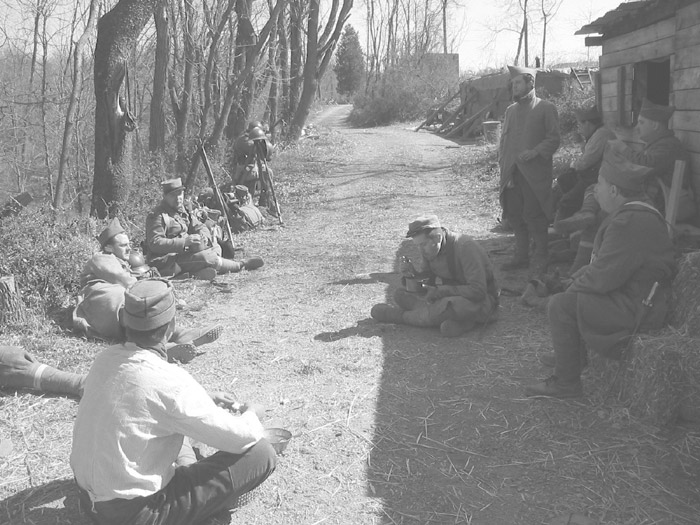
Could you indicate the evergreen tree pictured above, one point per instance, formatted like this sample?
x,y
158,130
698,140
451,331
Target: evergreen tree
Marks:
x,y
349,63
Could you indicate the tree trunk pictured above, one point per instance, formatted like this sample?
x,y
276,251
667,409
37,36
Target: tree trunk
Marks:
x,y
245,44
117,33
274,81
295,66
71,112
282,27
526,34
12,310
156,135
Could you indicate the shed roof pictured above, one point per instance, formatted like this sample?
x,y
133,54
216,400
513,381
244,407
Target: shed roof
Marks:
x,y
631,16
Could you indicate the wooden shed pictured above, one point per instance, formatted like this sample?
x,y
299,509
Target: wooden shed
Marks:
x,y
651,49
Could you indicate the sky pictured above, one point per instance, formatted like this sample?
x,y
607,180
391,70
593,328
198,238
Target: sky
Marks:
x,y
482,47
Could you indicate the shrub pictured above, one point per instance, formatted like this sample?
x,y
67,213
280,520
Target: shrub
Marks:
x,y
567,103
46,251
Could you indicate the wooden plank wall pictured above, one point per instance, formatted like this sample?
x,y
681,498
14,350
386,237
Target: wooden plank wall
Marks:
x,y
677,38
685,83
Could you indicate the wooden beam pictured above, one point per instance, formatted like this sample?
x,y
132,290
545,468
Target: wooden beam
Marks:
x,y
593,41
456,112
621,85
469,121
438,110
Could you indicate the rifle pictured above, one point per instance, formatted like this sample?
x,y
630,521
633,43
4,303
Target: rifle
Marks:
x,y
262,162
217,192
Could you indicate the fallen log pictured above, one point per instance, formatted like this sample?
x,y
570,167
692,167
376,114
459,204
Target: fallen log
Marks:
x,y
12,310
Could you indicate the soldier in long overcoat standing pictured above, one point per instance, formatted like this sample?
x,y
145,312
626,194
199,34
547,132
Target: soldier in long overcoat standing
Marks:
x,y
529,139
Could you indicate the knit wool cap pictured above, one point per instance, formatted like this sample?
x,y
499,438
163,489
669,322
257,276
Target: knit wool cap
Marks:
x,y
656,112
421,224
517,71
172,185
587,113
113,228
617,170
149,304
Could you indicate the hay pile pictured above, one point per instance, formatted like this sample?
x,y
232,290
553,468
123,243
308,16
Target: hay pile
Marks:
x,y
660,378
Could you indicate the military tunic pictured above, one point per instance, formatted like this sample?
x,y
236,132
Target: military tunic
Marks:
x,y
167,230
632,250
464,267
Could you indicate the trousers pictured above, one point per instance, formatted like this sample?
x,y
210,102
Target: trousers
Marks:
x,y
196,493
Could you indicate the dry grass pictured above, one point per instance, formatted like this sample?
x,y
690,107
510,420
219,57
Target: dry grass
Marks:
x,y
391,425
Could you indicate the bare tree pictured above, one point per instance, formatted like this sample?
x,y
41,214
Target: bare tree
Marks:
x,y
156,134
549,10
71,113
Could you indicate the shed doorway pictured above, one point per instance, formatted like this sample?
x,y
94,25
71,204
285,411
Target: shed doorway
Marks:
x,y
652,80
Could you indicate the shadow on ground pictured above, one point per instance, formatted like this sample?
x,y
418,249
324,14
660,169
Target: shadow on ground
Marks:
x,y
54,503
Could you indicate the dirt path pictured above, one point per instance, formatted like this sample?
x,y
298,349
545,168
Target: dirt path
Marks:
x,y
396,425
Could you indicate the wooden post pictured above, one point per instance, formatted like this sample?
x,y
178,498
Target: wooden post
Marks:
x,y
11,307
438,110
674,196
469,122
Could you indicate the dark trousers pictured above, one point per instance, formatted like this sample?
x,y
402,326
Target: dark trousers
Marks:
x,y
525,215
571,188
196,493
566,337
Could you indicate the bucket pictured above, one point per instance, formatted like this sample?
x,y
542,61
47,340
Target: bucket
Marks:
x,y
492,131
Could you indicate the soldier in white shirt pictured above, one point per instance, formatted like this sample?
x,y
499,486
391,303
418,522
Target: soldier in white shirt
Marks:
x,y
131,455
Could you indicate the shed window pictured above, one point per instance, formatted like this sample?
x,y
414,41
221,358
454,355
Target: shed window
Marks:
x,y
652,80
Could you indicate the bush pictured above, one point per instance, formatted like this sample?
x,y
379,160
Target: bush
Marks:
x,y
567,103
400,95
46,251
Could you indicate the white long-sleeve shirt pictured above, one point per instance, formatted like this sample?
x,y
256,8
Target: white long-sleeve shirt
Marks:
x,y
132,419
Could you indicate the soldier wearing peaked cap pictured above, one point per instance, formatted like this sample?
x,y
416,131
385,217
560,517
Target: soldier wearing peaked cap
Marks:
x,y
131,455
529,139
461,291
604,305
178,243
661,151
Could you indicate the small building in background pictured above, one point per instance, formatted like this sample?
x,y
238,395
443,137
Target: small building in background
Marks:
x,y
651,49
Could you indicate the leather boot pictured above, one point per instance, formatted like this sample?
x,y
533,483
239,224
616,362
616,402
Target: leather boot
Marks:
x,y
555,387
539,260
252,263
385,313
521,257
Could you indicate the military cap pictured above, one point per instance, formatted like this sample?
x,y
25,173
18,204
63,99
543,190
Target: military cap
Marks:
x,y
149,304
587,113
617,170
656,112
113,229
172,185
421,224
518,70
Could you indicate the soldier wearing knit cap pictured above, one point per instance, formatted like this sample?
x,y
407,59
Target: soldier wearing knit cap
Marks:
x,y
660,152
131,455
603,305
529,139
461,290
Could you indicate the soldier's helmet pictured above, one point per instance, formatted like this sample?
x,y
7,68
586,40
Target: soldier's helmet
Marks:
x,y
256,134
138,263
254,124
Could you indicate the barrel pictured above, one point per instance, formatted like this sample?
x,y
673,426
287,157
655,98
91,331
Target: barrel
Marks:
x,y
492,131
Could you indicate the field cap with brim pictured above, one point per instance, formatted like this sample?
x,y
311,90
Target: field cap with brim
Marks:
x,y
656,112
113,228
617,170
172,185
149,304
586,113
518,70
421,224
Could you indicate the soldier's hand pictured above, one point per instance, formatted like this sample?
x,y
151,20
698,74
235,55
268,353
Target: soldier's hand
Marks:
x,y
527,155
435,293
259,410
406,268
193,240
224,399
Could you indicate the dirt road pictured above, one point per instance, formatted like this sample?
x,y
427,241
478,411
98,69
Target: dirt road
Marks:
x,y
397,425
